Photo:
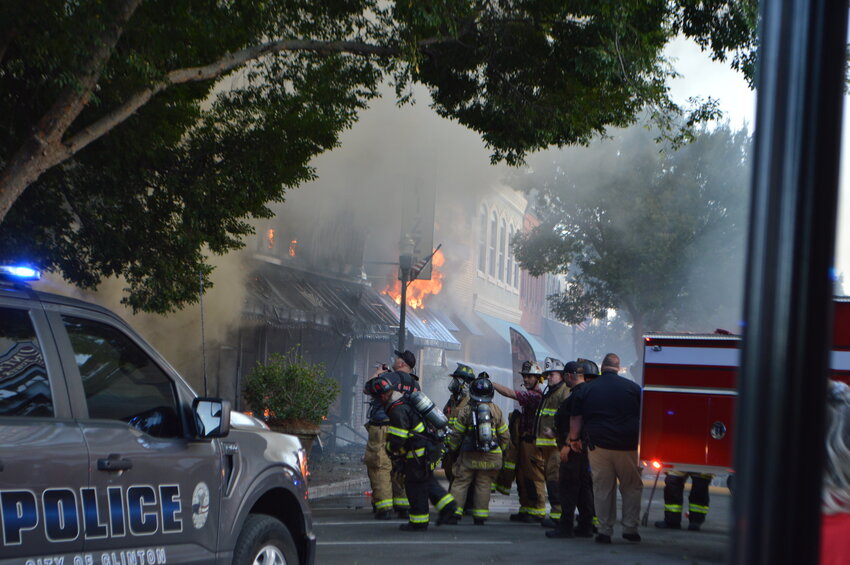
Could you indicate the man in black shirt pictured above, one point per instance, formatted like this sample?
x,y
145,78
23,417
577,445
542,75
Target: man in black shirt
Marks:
x,y
606,413
575,487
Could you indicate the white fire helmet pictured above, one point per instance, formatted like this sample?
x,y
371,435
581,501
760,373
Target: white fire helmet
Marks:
x,y
530,368
551,365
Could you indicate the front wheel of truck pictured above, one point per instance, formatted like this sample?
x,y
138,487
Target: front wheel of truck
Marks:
x,y
264,541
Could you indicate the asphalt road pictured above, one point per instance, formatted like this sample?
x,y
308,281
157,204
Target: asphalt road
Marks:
x,y
347,534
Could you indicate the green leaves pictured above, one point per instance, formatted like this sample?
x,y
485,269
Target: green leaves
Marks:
x,y
655,234
288,387
184,174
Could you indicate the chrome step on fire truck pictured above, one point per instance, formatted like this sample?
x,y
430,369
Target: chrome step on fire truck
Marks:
x,y
689,394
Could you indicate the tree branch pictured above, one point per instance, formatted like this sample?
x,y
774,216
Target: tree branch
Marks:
x,y
43,148
216,69
6,38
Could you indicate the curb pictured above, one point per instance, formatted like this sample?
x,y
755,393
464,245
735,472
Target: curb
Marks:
x,y
350,486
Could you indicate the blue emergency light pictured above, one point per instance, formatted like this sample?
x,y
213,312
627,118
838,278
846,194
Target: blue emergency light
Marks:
x,y
19,272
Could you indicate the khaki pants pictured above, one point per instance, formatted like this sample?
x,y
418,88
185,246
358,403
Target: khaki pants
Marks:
x,y
609,467
477,479
530,480
387,490
551,469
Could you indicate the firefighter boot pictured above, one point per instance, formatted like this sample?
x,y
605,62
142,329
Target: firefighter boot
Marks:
x,y
561,532
665,525
411,527
448,516
384,515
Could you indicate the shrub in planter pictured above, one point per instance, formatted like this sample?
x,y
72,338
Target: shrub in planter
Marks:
x,y
293,394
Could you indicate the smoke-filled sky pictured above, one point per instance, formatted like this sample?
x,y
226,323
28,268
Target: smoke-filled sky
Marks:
x,y
703,77
392,148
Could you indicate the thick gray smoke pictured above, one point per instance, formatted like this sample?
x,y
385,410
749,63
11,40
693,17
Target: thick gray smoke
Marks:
x,y
359,189
177,336
390,151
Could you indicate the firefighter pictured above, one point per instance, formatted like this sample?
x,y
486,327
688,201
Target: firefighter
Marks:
x,y
387,487
529,475
508,473
544,436
416,449
478,436
402,375
574,480
462,376
674,497
591,369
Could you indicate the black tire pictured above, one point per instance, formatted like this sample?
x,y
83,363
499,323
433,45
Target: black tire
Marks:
x,y
264,541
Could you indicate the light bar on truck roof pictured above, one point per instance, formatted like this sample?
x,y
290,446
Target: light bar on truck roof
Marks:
x,y
19,272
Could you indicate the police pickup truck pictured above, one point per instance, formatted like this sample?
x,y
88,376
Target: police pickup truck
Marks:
x,y
107,457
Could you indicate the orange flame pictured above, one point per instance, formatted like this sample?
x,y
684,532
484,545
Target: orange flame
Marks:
x,y
419,289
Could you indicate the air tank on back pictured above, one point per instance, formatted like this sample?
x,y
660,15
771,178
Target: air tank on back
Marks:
x,y
428,410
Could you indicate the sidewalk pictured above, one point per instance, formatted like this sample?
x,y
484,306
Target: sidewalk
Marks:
x,y
342,472
337,472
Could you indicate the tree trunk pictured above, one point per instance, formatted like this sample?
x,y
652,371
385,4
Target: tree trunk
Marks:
x,y
30,161
44,147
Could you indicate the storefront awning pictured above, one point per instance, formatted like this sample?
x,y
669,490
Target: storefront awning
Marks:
x,y
290,298
424,326
503,328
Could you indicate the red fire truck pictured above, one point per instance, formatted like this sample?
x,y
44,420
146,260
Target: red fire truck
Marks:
x,y
689,393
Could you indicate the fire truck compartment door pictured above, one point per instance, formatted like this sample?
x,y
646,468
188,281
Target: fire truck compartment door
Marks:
x,y
693,429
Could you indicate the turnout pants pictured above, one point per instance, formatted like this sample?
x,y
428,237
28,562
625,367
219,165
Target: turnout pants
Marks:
x,y
530,480
576,491
674,495
608,468
449,462
421,486
476,480
387,488
551,467
505,476
510,459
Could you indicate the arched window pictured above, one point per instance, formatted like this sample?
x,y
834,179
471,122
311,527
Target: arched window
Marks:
x,y
494,234
482,241
509,272
502,249
516,275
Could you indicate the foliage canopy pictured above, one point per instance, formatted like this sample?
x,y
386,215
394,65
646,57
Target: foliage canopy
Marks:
x,y
656,235
141,135
287,387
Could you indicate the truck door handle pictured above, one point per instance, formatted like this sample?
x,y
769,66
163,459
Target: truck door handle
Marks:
x,y
114,463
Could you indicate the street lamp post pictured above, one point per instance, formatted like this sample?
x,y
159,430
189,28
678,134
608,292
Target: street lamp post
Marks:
x,y
405,263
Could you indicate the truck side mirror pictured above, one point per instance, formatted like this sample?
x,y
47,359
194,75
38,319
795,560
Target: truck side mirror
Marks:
x,y
212,417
